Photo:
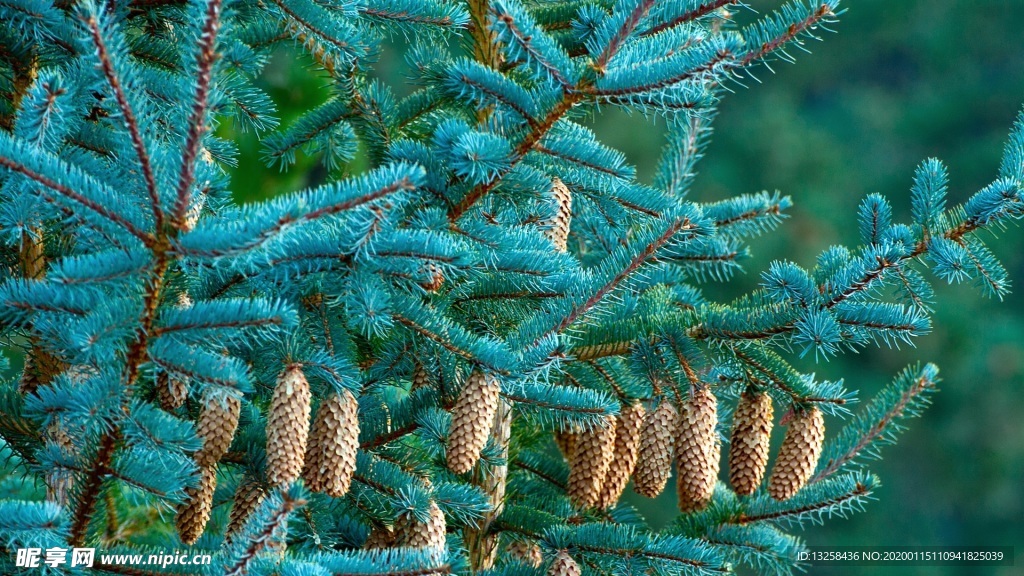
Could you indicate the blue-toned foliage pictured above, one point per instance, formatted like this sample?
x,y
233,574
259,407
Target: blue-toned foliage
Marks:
x,y
469,226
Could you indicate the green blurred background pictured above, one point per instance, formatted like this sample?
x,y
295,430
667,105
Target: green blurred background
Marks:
x,y
901,81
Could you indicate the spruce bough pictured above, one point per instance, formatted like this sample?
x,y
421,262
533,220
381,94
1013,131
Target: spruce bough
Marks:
x,y
370,376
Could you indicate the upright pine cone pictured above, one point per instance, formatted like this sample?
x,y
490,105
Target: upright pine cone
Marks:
x,y
590,461
194,512
557,227
657,449
218,420
748,449
798,454
172,392
420,378
627,444
411,533
331,454
525,551
471,421
564,565
287,427
248,497
697,451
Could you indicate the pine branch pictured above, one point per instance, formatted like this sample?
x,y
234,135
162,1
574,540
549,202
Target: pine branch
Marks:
x,y
197,119
96,35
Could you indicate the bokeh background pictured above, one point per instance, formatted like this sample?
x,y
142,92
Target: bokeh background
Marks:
x,y
901,81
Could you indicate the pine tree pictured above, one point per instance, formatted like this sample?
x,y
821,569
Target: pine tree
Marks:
x,y
472,273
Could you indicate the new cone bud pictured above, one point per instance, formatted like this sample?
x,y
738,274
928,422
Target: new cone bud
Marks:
x,y
748,448
799,453
590,462
564,565
331,454
697,451
657,449
624,455
471,421
194,512
218,420
288,427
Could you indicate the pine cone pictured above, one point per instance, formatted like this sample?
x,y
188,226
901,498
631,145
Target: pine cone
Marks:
x,y
218,420
380,537
556,228
172,392
748,449
420,378
566,442
411,533
525,551
287,427
627,444
248,497
564,565
331,454
471,421
697,451
657,449
798,454
590,461
194,512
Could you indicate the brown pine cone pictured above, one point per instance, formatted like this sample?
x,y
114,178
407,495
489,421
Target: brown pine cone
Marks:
x,y
798,455
590,461
472,419
657,450
564,565
331,454
171,392
380,537
287,427
218,420
697,451
556,228
627,446
566,442
411,533
194,511
248,497
420,378
751,434
525,551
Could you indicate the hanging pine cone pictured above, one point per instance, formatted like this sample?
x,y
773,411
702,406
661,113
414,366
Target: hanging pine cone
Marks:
x,y
798,454
248,497
420,378
627,445
194,512
657,449
287,427
566,442
748,449
590,461
171,391
697,451
564,565
471,421
556,228
331,454
411,533
218,420
525,551
380,537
